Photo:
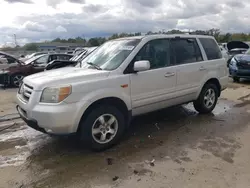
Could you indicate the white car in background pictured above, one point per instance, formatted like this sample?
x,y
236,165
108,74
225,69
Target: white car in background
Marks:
x,y
224,53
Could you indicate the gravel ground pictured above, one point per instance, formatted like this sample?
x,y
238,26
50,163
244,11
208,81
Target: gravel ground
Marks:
x,y
175,147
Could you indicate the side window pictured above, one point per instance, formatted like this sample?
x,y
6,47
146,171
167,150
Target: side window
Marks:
x,y
156,52
211,48
64,57
185,50
53,57
42,60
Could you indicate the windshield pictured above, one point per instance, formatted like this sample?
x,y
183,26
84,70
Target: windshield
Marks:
x,y
111,54
32,59
29,56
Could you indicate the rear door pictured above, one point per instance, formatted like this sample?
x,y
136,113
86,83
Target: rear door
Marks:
x,y
216,65
190,67
153,89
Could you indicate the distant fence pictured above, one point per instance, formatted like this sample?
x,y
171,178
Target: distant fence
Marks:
x,y
18,53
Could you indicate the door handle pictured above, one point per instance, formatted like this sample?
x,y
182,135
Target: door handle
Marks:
x,y
202,68
169,74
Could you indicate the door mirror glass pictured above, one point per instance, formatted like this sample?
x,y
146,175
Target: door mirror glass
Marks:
x,y
140,66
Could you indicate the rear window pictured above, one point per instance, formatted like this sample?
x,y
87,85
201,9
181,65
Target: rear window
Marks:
x,y
211,48
186,50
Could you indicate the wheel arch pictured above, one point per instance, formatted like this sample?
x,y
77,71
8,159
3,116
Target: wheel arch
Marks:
x,y
113,101
214,81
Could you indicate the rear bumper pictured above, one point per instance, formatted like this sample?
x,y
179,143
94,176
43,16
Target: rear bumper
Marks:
x,y
224,82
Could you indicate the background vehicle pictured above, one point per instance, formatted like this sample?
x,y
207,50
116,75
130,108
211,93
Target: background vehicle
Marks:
x,y
31,66
121,79
7,60
55,64
236,47
225,53
32,55
239,66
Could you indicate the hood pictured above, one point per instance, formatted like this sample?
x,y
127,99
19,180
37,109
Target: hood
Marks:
x,y
12,66
237,44
67,75
12,57
23,59
244,58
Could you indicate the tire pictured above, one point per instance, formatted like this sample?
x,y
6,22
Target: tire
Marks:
x,y
236,79
16,79
202,104
92,123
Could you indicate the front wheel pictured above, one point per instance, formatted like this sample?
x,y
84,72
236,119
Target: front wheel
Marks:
x,y
207,99
236,79
16,80
102,128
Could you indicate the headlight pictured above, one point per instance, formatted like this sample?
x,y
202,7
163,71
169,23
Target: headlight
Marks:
x,y
233,63
55,94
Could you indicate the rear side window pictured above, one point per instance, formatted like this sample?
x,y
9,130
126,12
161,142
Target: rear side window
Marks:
x,y
64,57
185,50
211,48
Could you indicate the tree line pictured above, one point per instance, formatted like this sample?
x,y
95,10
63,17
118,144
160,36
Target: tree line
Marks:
x,y
96,41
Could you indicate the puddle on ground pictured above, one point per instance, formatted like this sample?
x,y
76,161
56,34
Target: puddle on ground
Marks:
x,y
222,107
16,144
22,143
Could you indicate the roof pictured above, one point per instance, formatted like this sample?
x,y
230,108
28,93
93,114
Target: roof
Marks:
x,y
60,44
155,36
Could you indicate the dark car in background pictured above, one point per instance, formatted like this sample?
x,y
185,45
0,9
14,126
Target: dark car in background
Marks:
x,y
239,66
235,48
32,55
55,64
15,74
7,60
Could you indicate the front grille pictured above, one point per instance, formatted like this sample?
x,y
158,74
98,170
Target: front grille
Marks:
x,y
25,91
243,65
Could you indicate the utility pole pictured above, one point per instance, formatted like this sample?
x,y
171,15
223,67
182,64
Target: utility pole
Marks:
x,y
15,41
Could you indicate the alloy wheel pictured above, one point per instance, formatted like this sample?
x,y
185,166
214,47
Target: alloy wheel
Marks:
x,y
104,128
209,98
17,79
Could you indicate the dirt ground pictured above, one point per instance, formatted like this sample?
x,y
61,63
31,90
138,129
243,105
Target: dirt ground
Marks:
x,y
175,147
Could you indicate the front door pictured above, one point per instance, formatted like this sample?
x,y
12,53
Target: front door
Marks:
x,y
153,89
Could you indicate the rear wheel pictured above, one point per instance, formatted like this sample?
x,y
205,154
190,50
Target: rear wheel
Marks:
x,y
236,79
207,99
16,80
102,128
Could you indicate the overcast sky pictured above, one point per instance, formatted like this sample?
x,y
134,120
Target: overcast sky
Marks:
x,y
39,20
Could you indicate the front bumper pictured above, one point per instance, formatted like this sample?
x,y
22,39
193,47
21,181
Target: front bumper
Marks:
x,y
62,119
30,122
4,78
240,73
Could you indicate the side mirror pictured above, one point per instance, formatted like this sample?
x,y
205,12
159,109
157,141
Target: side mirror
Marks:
x,y
140,66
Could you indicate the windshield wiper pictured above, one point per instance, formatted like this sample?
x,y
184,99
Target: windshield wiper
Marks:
x,y
94,65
